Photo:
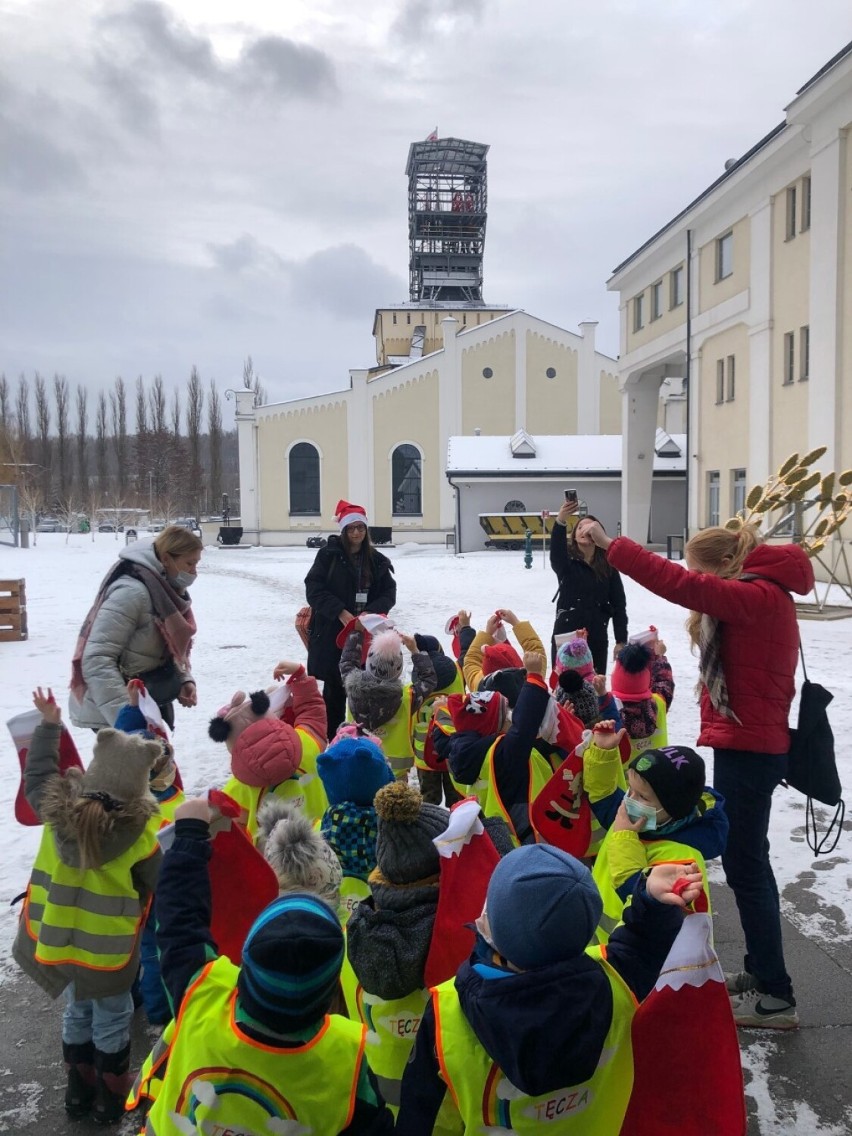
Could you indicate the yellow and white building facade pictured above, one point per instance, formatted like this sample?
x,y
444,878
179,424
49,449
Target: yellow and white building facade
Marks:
x,y
747,296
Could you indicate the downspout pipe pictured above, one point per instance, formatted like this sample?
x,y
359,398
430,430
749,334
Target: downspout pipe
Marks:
x,y
688,377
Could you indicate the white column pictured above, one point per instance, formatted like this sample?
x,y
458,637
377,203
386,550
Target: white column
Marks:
x,y
760,346
449,416
246,416
639,428
827,163
588,382
359,445
520,375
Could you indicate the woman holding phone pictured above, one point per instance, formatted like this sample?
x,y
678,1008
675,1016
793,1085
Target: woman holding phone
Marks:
x,y
590,592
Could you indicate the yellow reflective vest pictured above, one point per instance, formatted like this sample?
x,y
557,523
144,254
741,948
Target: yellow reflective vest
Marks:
x,y
352,890
656,852
92,918
218,1079
304,790
423,718
490,802
396,736
660,736
486,1101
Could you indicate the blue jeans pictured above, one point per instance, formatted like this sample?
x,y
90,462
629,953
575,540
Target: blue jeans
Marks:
x,y
104,1021
747,781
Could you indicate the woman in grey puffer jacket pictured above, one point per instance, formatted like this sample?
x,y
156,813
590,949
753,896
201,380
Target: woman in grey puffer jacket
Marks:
x,y
140,626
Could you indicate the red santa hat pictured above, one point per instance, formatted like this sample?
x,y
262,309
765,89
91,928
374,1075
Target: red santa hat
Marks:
x,y
345,513
483,712
499,656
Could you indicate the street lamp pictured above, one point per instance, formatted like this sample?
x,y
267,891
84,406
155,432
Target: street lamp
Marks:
x,y
151,493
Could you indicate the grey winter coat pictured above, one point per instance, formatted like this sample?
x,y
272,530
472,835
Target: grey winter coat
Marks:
x,y
52,796
124,641
388,938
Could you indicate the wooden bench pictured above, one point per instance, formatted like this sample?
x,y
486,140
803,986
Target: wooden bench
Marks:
x,y
13,610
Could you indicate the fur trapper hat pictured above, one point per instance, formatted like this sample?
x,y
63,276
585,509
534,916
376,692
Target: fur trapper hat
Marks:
x,y
120,766
301,859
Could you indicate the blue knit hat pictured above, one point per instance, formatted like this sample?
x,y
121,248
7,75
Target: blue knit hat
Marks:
x,y
353,769
542,905
291,963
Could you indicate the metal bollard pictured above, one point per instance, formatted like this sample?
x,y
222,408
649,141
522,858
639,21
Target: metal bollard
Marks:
x,y
528,549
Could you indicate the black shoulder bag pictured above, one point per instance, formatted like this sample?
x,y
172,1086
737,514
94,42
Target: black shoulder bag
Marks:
x,y
812,768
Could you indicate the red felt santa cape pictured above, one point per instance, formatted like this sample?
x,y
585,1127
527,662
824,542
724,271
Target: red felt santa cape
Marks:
x,y
21,728
467,859
688,1079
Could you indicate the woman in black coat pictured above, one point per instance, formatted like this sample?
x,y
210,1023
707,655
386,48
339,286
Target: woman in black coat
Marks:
x,y
347,577
590,591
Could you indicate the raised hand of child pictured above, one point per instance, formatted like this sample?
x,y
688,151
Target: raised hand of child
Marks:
x,y
599,683
623,821
195,808
284,668
134,689
507,616
604,735
47,706
408,641
492,623
659,647
535,663
463,618
664,883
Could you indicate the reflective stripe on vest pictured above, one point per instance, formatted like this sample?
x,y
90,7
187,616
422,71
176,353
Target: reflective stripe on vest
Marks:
x,y
540,773
218,1079
660,736
423,718
656,852
487,1101
392,1027
395,736
149,1080
89,918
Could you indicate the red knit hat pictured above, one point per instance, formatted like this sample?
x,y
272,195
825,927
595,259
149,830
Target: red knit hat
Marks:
x,y
346,513
483,712
499,656
631,675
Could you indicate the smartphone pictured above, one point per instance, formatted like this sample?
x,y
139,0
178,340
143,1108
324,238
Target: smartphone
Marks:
x,y
571,496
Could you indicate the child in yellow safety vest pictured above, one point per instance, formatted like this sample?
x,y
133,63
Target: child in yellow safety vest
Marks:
x,y
534,1030
436,786
379,700
87,899
255,1048
663,812
642,681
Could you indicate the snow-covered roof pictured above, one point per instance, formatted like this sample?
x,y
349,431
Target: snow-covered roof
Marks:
x,y
483,455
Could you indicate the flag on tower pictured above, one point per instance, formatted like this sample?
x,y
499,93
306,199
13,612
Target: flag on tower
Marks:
x,y
433,137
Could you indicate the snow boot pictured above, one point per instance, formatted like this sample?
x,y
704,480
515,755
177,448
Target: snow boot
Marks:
x,y
114,1082
82,1079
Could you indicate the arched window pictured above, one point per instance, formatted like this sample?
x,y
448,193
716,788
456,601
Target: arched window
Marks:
x,y
407,481
304,465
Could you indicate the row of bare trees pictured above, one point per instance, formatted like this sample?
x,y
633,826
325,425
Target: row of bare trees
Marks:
x,y
73,451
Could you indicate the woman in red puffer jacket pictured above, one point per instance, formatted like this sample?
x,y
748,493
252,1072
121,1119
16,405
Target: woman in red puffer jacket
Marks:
x,y
743,621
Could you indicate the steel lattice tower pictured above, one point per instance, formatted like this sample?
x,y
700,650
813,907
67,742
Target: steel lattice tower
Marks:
x,y
447,201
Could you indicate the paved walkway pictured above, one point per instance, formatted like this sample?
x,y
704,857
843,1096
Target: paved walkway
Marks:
x,y
797,1083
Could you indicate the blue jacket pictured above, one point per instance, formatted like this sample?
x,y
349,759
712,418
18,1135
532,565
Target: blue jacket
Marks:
x,y
545,1028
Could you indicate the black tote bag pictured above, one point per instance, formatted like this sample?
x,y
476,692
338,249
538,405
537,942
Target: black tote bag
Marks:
x,y
811,767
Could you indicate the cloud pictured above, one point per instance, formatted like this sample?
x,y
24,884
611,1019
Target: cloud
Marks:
x,y
420,18
245,254
280,67
32,163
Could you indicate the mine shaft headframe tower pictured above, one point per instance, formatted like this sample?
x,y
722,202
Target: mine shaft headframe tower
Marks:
x,y
447,203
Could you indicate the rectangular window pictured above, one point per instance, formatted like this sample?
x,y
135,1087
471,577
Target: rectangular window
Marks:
x,y
713,497
656,300
790,221
732,375
789,357
676,287
639,312
804,354
738,489
806,204
724,256
720,381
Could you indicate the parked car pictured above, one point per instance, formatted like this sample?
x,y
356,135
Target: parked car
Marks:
x,y
50,525
106,527
318,541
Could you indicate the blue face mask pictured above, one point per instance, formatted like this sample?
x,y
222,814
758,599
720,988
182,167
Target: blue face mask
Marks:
x,y
636,810
183,580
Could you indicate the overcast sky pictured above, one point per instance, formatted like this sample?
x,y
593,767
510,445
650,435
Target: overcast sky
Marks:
x,y
193,181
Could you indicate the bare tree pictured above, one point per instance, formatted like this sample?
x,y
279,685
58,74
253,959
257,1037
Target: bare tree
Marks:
x,y
194,410
157,403
176,413
142,444
30,501
23,426
42,409
118,411
82,453
101,443
214,433
251,381
61,398
5,406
